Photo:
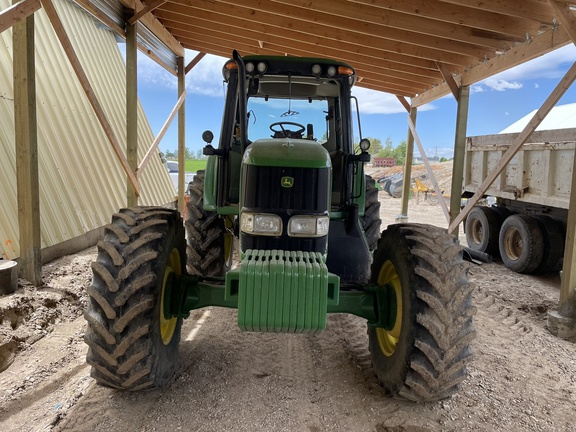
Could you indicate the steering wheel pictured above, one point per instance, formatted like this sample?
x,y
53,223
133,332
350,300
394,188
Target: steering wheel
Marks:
x,y
282,132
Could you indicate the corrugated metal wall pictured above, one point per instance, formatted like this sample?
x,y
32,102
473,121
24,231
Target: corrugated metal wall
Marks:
x,y
81,181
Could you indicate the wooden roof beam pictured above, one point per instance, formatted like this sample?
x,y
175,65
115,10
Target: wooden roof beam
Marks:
x,y
147,9
325,31
325,48
461,15
376,66
527,9
566,18
449,80
17,12
368,13
321,12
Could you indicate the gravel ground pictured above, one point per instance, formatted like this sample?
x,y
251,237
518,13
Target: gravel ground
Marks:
x,y
521,378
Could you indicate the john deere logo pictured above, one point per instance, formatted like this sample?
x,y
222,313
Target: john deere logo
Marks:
x,y
287,182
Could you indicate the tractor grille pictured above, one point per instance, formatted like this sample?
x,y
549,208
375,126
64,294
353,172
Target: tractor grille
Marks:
x,y
264,191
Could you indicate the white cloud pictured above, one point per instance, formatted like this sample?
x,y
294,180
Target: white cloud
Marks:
x,y
551,65
502,85
477,89
204,79
506,113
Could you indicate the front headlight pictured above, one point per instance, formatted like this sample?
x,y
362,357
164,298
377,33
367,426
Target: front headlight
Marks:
x,y
261,224
308,226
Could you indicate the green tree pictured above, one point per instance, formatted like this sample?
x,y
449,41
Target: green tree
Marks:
x,y
400,153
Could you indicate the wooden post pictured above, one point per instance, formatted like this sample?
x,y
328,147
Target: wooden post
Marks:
x,y
459,153
26,140
408,167
181,135
131,107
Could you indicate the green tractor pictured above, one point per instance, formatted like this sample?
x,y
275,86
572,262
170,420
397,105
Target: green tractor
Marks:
x,y
290,201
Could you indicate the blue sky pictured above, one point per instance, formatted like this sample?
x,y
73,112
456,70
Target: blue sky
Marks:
x,y
495,103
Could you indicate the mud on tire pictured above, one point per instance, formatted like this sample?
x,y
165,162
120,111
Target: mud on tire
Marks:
x,y
423,357
209,247
131,345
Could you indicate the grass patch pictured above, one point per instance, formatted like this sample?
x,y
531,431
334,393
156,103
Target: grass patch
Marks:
x,y
193,165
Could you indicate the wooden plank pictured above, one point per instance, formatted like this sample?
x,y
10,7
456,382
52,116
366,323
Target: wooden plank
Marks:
x,y
339,15
527,9
147,9
161,134
566,18
370,13
406,185
329,31
429,171
194,62
181,134
404,102
26,141
17,12
504,140
131,108
156,27
459,151
539,45
85,83
449,80
313,46
461,15
546,107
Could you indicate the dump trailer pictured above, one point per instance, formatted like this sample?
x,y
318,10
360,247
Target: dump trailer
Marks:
x,y
525,221
284,226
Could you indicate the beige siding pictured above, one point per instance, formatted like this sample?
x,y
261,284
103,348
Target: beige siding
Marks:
x,y
81,181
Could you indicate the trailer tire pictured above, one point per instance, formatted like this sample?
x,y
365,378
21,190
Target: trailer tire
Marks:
x,y
482,228
131,344
521,243
371,221
553,244
209,238
422,355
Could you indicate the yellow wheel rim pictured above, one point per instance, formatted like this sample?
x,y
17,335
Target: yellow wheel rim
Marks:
x,y
168,326
388,339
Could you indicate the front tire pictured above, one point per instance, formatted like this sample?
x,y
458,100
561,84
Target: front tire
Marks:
x,y
210,242
132,345
422,355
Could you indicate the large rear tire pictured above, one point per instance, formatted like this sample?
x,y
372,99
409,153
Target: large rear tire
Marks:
x,y
371,221
553,255
521,243
422,355
209,236
132,345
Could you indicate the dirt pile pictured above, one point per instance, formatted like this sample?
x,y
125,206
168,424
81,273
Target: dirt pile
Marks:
x,y
442,171
31,313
